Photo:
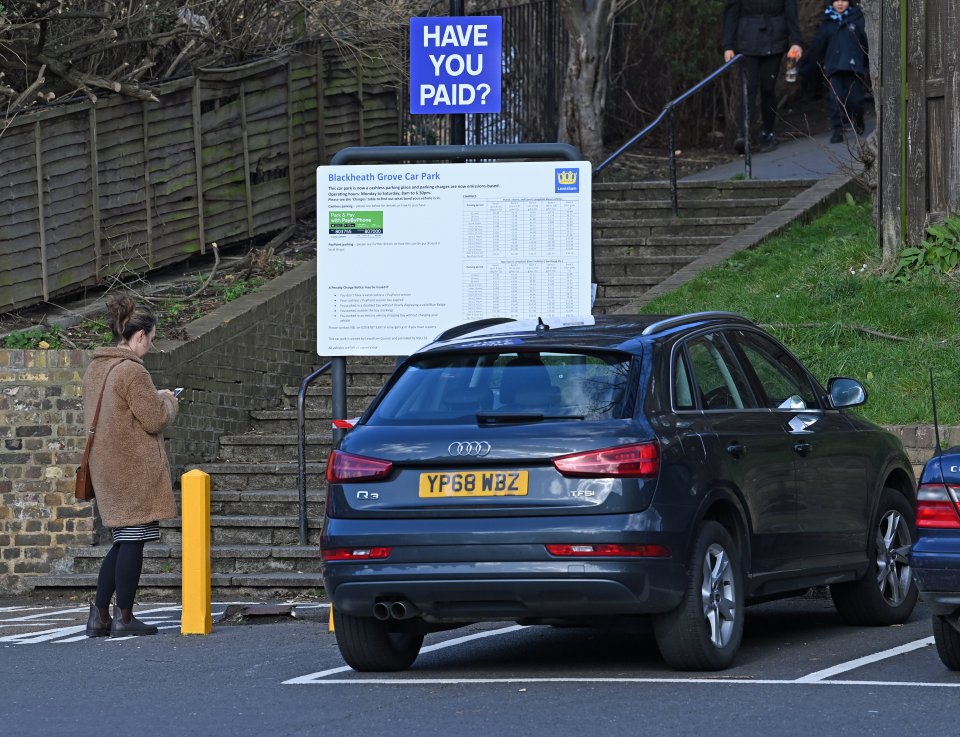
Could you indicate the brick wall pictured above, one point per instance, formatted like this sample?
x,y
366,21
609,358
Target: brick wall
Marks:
x,y
41,442
238,359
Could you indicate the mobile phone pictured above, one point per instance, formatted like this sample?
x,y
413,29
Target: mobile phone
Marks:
x,y
178,391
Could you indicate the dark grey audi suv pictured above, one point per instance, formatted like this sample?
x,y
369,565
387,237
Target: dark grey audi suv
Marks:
x,y
610,472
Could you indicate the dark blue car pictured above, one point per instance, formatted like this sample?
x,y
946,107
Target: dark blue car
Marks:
x,y
625,471
936,554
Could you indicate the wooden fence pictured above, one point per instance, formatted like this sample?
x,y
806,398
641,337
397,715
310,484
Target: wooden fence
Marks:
x,y
919,100
90,190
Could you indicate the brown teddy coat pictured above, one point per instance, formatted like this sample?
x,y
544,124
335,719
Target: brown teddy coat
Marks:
x,y
128,463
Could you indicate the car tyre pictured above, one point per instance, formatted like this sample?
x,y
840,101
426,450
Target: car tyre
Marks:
x,y
704,632
368,644
888,593
947,637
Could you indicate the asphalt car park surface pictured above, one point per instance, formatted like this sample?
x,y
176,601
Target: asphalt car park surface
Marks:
x,y
800,671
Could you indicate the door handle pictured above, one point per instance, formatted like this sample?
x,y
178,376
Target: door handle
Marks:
x,y
802,448
736,449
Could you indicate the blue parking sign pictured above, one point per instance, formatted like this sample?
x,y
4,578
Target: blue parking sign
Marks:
x,y
455,64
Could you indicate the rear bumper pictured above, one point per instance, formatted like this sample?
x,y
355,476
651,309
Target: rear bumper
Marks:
x,y
448,593
502,573
935,562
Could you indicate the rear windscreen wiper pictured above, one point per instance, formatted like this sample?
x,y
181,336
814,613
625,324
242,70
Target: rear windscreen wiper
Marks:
x,y
499,418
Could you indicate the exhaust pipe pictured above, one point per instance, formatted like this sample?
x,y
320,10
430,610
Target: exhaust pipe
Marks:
x,y
381,610
403,610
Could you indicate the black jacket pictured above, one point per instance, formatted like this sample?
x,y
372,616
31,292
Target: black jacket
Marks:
x,y
839,46
761,27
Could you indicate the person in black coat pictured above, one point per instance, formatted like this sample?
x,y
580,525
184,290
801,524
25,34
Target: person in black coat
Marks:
x,y
761,30
840,50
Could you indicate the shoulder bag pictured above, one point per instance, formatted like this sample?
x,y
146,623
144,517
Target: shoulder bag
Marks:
x,y
84,485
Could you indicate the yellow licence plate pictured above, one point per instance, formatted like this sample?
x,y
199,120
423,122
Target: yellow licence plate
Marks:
x,y
445,484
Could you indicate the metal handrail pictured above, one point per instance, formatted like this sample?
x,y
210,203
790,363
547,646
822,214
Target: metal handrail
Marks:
x,y
302,446
667,113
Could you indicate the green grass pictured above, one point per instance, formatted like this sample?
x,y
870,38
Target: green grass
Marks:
x,y
815,284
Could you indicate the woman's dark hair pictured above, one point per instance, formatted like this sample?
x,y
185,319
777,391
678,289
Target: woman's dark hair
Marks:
x,y
127,317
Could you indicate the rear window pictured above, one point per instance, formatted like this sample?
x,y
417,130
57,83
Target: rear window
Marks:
x,y
455,388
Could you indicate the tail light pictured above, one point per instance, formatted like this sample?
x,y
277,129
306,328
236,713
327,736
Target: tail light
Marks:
x,y
355,553
346,467
606,550
938,505
641,461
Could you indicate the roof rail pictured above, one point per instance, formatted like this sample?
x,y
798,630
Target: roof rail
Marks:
x,y
672,322
469,327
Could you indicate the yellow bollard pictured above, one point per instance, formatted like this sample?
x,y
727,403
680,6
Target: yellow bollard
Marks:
x,y
195,513
330,624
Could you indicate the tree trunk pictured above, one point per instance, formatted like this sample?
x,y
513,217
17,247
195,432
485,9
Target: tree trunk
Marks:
x,y
589,26
870,148
886,172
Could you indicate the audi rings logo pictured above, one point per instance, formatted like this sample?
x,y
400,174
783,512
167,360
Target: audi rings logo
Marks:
x,y
472,448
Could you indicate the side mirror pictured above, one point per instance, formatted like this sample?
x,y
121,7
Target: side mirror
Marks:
x,y
846,392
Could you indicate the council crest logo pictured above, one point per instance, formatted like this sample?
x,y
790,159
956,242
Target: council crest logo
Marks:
x,y
567,180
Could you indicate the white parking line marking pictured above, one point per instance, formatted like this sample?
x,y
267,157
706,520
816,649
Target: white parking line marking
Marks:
x,y
698,681
821,675
32,638
819,678
46,615
313,677
34,624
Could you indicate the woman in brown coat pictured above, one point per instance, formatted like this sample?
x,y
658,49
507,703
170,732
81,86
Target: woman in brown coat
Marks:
x,y
128,463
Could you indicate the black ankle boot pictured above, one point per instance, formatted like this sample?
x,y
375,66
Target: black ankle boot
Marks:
x,y
126,625
98,625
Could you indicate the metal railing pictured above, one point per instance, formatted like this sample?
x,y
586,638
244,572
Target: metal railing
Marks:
x,y
667,113
302,446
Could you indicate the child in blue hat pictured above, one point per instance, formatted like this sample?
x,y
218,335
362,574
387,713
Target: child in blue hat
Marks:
x,y
840,50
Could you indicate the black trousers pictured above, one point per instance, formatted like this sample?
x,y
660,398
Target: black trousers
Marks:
x,y
120,572
761,74
846,99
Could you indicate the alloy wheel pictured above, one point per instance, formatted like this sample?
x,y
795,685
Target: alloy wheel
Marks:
x,y
893,547
719,595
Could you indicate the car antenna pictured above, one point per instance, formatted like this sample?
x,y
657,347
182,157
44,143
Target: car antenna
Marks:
x,y
933,402
541,326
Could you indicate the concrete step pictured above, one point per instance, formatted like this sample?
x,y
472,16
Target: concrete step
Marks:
x,y
647,228
236,476
739,189
224,586
660,241
250,529
320,400
279,502
162,558
626,288
692,246
607,267
284,421
321,403
688,208
274,448
605,305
